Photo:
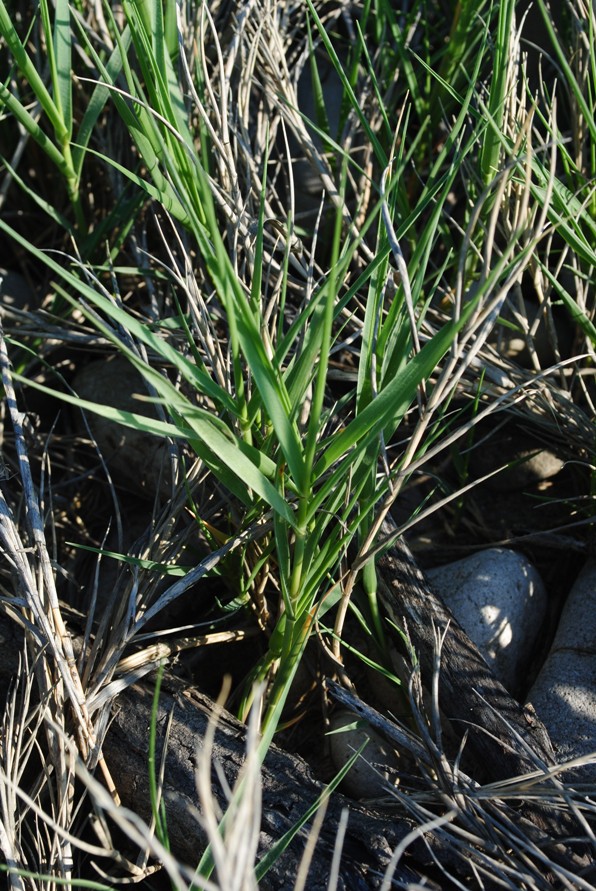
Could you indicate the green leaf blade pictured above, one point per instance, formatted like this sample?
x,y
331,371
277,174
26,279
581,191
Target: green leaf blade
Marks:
x,y
62,39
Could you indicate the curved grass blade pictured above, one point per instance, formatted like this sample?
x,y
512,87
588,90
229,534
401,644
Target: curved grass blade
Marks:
x,y
98,99
236,465
383,414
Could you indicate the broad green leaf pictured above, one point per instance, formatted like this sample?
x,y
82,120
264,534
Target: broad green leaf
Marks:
x,y
172,569
266,377
240,459
196,377
372,323
307,329
273,392
99,97
345,473
134,421
383,414
316,90
491,148
147,26
161,192
144,131
213,441
62,40
284,559
229,458
143,332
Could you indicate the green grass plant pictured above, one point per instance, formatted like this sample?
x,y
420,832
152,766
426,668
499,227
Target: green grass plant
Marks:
x,y
62,147
302,476
445,188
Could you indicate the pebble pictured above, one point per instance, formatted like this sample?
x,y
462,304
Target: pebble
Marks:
x,y
375,770
500,601
529,463
564,693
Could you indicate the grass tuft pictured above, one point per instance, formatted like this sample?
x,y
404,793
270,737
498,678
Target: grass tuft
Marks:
x,y
311,232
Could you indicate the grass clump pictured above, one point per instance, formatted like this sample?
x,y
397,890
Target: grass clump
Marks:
x,y
312,304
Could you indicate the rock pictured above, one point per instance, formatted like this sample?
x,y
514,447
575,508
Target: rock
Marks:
x,y
529,463
15,292
500,601
564,693
138,460
375,770
529,466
